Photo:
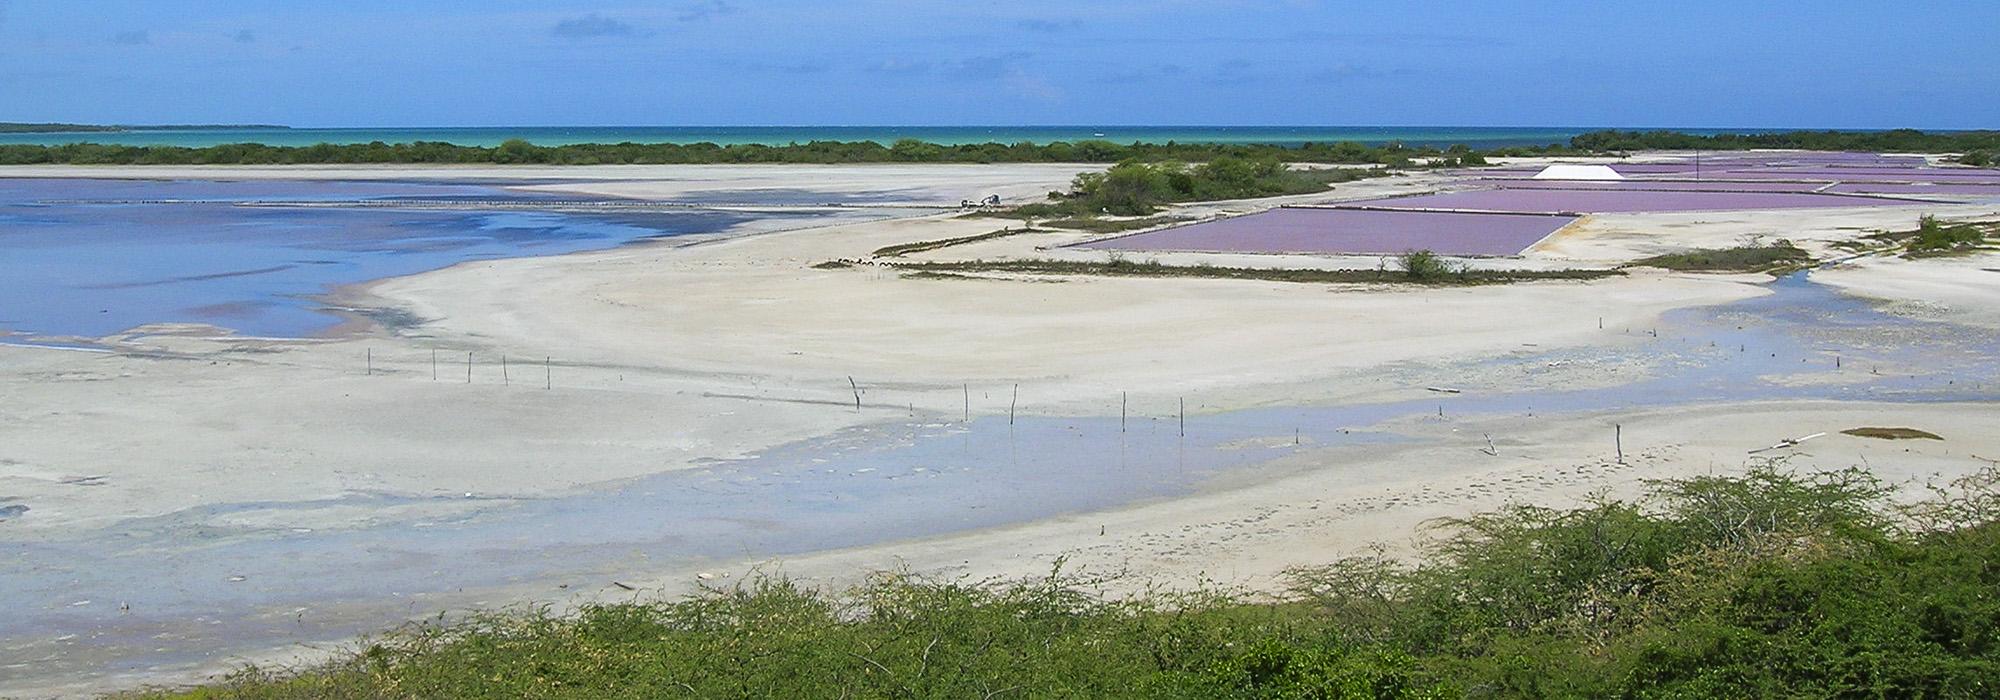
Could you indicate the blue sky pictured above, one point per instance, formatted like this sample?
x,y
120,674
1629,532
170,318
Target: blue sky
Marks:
x,y
1831,63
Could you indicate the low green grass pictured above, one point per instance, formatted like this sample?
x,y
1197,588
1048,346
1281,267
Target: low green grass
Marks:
x,y
1769,584
926,246
1102,225
1892,433
1454,276
1757,258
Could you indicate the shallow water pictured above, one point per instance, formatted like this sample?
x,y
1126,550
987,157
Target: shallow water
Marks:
x,y
882,483
91,258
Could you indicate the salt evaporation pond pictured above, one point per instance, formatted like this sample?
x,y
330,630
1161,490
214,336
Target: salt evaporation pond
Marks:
x,y
1620,201
1651,185
1349,231
1903,188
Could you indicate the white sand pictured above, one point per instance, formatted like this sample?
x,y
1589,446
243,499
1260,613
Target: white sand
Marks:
x,y
1956,289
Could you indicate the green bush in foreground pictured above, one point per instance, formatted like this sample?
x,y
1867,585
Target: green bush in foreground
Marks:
x,y
1765,585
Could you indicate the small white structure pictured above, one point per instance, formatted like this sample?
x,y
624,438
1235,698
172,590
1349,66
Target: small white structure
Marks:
x,y
1564,171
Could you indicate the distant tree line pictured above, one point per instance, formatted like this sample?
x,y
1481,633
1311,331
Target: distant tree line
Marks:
x,y
905,151
52,128
1981,143
64,128
1894,140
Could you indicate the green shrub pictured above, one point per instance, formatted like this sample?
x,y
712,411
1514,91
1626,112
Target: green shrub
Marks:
x,y
1426,266
1933,236
1770,584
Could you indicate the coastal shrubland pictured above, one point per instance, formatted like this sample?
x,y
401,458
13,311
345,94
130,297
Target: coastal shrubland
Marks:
x,y
1138,188
1769,583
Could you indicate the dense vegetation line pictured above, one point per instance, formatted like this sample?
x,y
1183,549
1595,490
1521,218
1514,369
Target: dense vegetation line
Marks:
x,y
53,128
1418,267
1978,145
1984,143
901,249
905,151
64,128
1771,584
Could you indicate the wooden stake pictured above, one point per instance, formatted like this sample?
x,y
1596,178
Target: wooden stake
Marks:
x,y
371,362
468,368
434,364
857,391
548,373
504,378
1183,416
1011,403
1121,411
968,403
1618,435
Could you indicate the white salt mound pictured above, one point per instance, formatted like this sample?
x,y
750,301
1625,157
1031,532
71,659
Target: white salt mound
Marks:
x,y
1578,172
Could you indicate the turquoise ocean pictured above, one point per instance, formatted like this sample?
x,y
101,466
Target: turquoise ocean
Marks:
x,y
1476,137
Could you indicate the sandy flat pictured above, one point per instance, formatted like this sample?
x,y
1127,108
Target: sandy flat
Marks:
x,y
1961,289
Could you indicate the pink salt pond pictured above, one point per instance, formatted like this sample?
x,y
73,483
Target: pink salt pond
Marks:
x,y
1619,201
1349,231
